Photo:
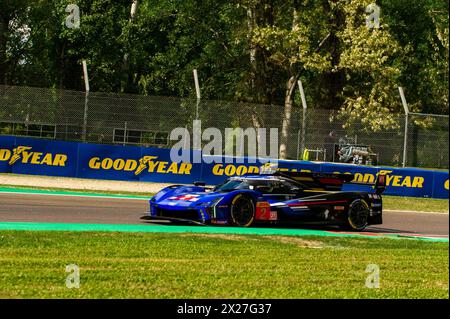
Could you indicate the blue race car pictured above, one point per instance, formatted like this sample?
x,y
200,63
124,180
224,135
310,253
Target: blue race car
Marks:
x,y
277,197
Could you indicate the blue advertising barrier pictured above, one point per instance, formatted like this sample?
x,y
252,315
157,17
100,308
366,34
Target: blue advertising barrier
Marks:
x,y
131,163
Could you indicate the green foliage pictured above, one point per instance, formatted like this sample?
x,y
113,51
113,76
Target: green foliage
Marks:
x,y
294,45
368,56
244,50
179,36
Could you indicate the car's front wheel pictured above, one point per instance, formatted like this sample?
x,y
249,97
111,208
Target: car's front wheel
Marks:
x,y
358,215
242,211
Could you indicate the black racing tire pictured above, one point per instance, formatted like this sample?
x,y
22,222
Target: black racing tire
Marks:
x,y
242,211
358,215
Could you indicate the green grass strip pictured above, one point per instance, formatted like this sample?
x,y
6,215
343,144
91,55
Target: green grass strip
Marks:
x,y
29,226
191,266
15,190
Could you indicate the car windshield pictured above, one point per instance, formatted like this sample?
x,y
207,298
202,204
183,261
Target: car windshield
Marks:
x,y
231,185
270,186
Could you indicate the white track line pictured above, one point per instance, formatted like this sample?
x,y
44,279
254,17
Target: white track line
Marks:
x,y
75,195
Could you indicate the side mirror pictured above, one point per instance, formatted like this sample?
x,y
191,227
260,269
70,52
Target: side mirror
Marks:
x,y
199,184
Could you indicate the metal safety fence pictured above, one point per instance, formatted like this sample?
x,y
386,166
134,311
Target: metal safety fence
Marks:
x,y
124,119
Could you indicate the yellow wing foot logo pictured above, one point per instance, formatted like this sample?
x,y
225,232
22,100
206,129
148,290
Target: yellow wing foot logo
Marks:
x,y
143,164
17,153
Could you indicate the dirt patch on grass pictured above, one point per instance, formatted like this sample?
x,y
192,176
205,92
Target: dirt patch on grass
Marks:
x,y
299,242
218,236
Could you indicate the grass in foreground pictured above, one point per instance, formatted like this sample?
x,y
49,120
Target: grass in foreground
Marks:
x,y
118,265
416,204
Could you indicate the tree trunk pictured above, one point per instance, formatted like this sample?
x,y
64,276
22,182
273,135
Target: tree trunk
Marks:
x,y
289,96
126,65
260,90
332,80
251,24
288,104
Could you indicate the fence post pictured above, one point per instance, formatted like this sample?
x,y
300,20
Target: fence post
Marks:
x,y
125,133
305,107
195,145
405,140
197,91
86,99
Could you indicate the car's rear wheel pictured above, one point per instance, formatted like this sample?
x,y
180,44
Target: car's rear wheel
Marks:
x,y
358,215
242,211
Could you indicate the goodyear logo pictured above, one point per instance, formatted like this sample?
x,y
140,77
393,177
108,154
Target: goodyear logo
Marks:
x,y
232,170
392,180
25,155
147,163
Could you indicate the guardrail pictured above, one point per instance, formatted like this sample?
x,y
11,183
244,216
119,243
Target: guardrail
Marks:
x,y
129,163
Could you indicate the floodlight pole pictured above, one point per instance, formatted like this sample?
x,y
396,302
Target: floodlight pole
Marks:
x,y
305,107
405,140
86,98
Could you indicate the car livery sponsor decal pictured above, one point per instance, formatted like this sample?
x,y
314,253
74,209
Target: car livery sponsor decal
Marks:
x,y
189,197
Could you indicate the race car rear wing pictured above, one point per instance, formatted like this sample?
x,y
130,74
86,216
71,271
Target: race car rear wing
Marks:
x,y
319,181
331,181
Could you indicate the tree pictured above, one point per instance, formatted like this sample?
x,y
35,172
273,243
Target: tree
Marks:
x,y
13,35
175,37
368,59
293,45
250,51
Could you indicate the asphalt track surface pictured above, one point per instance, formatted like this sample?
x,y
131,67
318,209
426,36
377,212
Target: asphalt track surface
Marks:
x,y
93,210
